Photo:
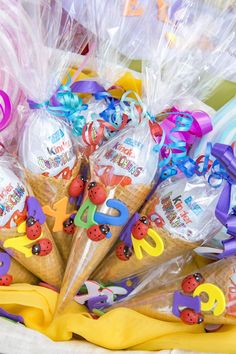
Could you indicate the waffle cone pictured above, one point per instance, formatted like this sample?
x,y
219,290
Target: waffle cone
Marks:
x,y
20,274
86,254
113,269
158,302
48,191
48,268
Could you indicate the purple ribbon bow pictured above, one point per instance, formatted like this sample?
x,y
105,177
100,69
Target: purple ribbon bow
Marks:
x,y
225,155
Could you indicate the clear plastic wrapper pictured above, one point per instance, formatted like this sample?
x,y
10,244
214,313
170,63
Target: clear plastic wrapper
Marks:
x,y
181,216
100,296
110,25
180,67
37,54
24,233
122,172
207,295
12,272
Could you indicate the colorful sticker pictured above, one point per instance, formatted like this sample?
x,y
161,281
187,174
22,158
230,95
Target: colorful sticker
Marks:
x,y
13,194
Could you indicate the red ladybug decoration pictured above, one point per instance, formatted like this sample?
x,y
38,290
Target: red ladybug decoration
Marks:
x,y
77,186
69,226
190,317
6,280
97,232
96,193
33,228
140,228
191,282
123,252
42,248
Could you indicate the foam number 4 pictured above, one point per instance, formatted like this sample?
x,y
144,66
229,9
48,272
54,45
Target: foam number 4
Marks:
x,y
132,8
142,245
216,298
118,220
5,261
89,209
59,212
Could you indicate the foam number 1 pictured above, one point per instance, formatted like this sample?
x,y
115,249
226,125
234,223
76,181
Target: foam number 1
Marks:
x,y
216,298
143,245
5,261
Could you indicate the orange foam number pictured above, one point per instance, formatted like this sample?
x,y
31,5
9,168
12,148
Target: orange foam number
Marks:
x,y
59,212
162,10
132,8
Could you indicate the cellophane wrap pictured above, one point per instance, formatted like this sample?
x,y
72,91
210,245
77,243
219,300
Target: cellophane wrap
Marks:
x,y
15,209
182,65
13,272
37,55
182,212
111,27
125,168
220,309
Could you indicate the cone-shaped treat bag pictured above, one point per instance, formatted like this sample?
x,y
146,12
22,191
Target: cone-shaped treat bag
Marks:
x,y
12,272
180,216
206,295
39,47
182,210
122,172
23,229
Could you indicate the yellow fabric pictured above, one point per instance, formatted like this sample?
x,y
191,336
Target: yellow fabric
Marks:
x,y
118,329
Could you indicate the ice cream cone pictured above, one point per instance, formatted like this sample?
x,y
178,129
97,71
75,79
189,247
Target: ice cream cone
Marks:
x,y
158,302
119,185
48,268
182,232
49,191
35,249
18,273
52,162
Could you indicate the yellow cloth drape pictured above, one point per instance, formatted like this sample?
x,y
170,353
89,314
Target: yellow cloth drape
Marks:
x,y
119,329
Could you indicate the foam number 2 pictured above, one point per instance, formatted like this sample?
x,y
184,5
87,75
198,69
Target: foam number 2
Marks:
x,y
216,298
142,245
5,261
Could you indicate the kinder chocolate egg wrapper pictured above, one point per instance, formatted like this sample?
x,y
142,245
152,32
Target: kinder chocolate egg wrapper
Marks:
x,y
13,194
187,207
46,146
129,157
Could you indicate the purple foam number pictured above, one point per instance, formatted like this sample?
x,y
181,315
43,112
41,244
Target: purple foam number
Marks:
x,y
5,260
133,281
126,233
35,210
97,302
186,301
11,317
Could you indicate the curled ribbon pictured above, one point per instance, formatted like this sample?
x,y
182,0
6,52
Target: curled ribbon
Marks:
x,y
182,129
5,110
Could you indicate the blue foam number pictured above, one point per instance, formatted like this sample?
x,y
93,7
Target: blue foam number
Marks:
x,y
118,220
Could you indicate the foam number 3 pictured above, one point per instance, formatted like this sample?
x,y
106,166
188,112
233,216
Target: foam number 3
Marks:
x,y
5,261
154,251
20,244
216,298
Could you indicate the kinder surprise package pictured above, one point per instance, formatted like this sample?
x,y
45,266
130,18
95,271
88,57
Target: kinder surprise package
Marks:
x,y
37,56
117,227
